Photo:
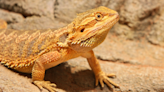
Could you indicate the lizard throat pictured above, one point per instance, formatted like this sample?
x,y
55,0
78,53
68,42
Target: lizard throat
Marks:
x,y
85,43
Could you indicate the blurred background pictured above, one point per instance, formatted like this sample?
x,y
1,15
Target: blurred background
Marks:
x,y
133,50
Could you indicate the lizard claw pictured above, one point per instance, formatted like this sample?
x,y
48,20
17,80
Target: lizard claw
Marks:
x,y
46,84
103,78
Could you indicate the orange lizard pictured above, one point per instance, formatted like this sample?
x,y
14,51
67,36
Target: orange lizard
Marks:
x,y
38,50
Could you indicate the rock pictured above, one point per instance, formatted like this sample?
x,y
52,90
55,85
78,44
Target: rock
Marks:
x,y
12,82
133,78
122,31
11,17
66,11
30,7
138,16
156,36
113,4
128,51
133,13
35,22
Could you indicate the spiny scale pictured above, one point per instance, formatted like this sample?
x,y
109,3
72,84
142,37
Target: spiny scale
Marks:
x,y
22,48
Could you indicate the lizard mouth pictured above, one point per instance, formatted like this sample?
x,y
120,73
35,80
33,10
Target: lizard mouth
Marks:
x,y
86,42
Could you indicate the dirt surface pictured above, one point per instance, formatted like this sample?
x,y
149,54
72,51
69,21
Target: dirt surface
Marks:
x,y
133,49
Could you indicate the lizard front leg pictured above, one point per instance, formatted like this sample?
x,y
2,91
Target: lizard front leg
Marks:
x,y
38,70
99,74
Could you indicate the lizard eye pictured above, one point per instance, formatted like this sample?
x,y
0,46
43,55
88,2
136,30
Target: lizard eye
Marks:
x,y
98,16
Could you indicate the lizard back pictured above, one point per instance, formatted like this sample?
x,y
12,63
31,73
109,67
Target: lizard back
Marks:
x,y
21,48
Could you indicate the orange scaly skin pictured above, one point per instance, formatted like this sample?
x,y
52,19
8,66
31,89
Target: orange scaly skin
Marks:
x,y
38,50
3,24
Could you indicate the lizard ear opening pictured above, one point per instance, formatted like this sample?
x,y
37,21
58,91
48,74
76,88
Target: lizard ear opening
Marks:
x,y
82,30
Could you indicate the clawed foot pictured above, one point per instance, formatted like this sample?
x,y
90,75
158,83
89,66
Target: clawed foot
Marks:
x,y
102,77
46,84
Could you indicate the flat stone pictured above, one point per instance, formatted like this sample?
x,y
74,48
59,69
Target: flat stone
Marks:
x,y
36,22
11,17
30,7
128,51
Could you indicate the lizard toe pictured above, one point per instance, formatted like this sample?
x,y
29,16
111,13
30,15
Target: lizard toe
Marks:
x,y
46,84
103,78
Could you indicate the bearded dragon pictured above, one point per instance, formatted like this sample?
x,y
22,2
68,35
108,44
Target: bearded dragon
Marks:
x,y
38,50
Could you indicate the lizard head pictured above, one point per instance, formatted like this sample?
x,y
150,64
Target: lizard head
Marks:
x,y
91,27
